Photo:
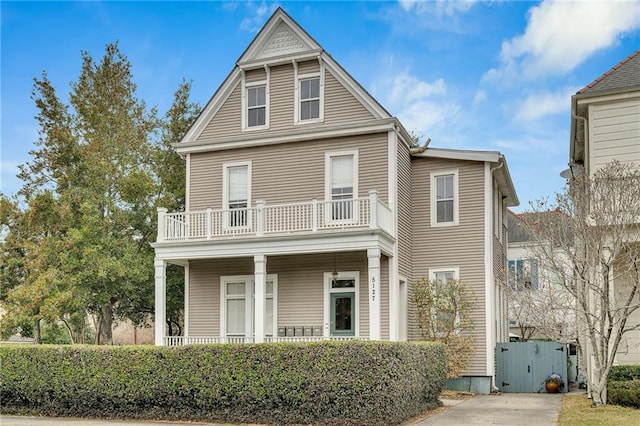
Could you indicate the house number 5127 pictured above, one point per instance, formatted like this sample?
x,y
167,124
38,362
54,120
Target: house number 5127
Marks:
x,y
373,288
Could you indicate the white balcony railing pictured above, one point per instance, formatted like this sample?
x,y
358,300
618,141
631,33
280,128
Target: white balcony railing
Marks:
x,y
266,219
183,341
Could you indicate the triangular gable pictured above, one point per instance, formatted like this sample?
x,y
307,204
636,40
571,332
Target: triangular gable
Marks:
x,y
281,40
280,36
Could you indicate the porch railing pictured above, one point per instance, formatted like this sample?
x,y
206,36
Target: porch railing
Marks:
x,y
275,219
204,340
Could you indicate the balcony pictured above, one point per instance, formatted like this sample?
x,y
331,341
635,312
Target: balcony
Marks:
x,y
279,219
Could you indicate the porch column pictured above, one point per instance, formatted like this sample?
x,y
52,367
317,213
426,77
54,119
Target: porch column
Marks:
x,y
260,262
373,257
161,301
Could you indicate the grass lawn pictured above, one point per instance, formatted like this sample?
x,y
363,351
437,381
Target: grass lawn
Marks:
x,y
576,410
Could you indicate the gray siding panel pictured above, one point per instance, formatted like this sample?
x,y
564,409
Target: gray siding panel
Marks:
x,y
281,97
458,246
288,172
340,106
308,67
204,292
228,121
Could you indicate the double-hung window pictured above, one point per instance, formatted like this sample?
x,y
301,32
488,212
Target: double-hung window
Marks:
x,y
256,106
342,185
236,198
309,98
237,310
444,198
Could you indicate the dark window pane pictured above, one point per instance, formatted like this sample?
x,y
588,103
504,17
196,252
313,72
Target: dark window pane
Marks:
x,y
343,314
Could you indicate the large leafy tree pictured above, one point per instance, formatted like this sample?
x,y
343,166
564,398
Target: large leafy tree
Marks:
x,y
102,164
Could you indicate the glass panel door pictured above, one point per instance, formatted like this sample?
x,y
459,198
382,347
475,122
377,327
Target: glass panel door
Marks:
x,y
342,310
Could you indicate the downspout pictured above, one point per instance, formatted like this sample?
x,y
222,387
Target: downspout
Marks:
x,y
490,291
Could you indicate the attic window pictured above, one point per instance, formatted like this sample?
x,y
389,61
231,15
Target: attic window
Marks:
x,y
256,106
310,98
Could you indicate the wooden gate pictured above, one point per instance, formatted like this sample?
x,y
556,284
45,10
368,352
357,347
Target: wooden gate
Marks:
x,y
523,366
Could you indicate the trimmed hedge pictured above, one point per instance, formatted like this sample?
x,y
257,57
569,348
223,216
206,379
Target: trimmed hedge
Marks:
x,y
320,382
623,385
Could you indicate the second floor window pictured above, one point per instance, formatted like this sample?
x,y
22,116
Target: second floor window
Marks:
x,y
444,198
310,98
237,192
342,183
256,106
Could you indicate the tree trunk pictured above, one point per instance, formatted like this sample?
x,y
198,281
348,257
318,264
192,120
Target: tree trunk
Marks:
x,y
36,333
104,334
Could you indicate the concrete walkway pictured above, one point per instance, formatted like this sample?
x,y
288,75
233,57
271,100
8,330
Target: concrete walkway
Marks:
x,y
500,409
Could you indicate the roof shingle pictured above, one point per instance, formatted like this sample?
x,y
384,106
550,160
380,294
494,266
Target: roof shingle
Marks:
x,y
624,75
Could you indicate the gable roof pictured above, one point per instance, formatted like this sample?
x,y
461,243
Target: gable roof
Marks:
x,y
624,75
280,41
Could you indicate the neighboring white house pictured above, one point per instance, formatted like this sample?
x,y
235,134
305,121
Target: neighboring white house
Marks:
x,y
310,212
539,307
605,126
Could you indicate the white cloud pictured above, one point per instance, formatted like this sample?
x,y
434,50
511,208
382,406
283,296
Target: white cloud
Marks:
x,y
421,106
407,88
541,104
560,35
479,97
439,7
259,13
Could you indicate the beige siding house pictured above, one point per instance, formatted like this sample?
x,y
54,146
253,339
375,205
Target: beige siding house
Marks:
x,y
310,211
605,126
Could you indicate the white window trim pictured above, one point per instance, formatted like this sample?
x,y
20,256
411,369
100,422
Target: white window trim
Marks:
x,y
296,94
456,198
245,86
249,281
344,275
454,269
327,184
225,193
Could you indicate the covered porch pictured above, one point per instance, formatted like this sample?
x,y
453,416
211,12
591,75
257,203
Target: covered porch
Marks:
x,y
292,297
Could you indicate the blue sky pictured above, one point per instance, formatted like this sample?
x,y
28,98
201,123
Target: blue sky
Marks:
x,y
494,75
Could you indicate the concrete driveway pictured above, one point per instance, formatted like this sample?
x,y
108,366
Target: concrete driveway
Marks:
x,y
500,409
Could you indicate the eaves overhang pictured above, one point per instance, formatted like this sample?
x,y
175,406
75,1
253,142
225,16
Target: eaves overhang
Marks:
x,y
288,136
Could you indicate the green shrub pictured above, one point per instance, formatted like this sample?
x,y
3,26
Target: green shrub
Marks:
x,y
624,392
323,382
624,372
623,385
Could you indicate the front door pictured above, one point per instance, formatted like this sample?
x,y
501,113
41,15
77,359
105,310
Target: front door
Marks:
x,y
342,311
